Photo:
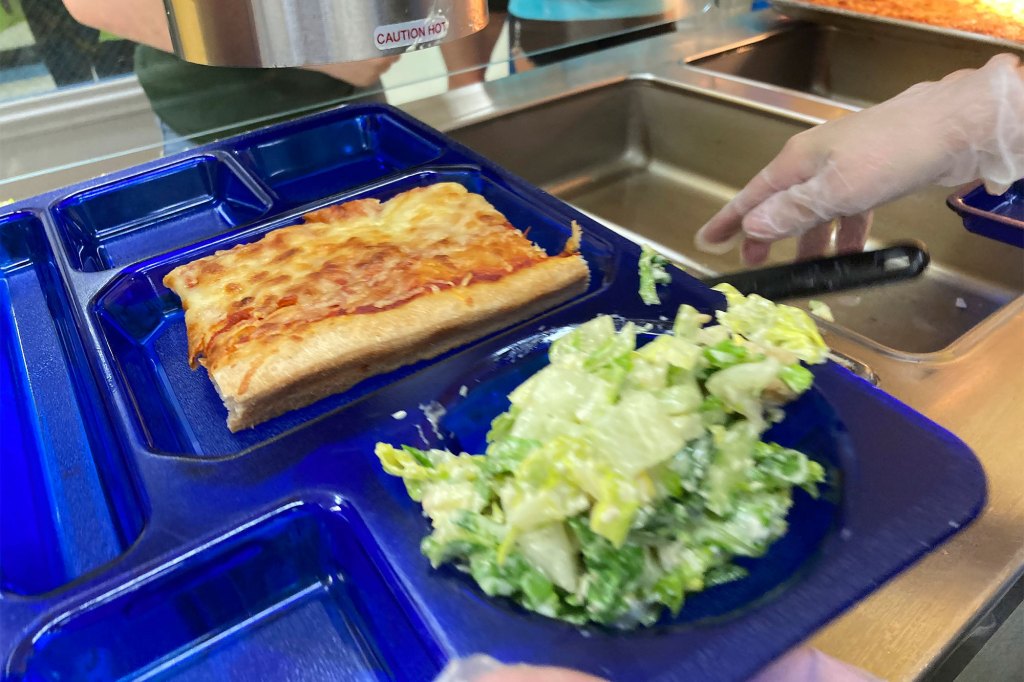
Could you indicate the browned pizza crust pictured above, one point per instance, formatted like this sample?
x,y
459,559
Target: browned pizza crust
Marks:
x,y
287,372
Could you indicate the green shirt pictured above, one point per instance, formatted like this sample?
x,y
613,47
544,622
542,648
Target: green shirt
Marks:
x,y
194,100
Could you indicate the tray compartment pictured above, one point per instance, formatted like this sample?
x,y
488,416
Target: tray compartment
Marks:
x,y
812,427
298,594
308,161
67,500
899,486
140,216
178,411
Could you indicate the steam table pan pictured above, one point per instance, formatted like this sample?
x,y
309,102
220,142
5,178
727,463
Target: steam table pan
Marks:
x,y
143,540
808,10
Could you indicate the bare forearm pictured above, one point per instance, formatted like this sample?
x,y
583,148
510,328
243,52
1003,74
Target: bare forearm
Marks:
x,y
141,21
460,56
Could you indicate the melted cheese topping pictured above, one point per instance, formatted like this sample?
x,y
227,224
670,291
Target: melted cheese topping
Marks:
x,y
354,258
998,18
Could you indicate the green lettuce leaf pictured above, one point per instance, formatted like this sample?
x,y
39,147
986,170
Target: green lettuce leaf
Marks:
x,y
797,378
770,325
652,273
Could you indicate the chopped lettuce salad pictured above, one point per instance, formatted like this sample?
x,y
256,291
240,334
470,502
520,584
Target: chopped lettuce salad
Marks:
x,y
624,478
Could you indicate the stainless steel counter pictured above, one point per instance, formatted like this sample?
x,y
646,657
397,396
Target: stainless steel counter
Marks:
x,y
971,380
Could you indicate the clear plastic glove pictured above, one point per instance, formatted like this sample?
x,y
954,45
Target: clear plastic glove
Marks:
x,y
968,126
799,665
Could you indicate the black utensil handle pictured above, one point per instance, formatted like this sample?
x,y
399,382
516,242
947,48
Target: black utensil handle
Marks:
x,y
827,275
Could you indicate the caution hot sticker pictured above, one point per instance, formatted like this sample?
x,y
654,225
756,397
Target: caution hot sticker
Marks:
x,y
410,32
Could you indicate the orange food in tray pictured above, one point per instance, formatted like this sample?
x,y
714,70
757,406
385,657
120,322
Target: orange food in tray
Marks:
x,y
997,18
359,289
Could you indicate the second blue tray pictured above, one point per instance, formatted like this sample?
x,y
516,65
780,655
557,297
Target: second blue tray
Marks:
x,y
999,217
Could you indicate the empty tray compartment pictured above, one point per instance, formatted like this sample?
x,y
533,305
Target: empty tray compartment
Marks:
x,y
660,160
140,216
321,156
67,501
862,64
296,595
177,410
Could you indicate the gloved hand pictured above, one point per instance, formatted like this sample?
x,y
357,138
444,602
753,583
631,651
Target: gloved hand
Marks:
x,y
799,665
968,126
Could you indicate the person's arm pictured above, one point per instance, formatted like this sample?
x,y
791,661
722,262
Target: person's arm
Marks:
x,y
140,21
968,126
472,51
145,21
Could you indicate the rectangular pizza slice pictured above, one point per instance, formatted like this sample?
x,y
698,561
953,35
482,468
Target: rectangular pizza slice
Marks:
x,y
359,289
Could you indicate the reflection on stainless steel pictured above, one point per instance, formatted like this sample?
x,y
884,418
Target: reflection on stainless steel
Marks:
x,y
647,143
852,64
272,33
660,160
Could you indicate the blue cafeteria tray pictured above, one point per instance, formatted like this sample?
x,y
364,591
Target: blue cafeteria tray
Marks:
x,y
141,539
999,217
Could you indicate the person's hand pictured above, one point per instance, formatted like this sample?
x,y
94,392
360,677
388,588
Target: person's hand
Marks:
x,y
361,74
480,668
803,664
968,126
531,673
